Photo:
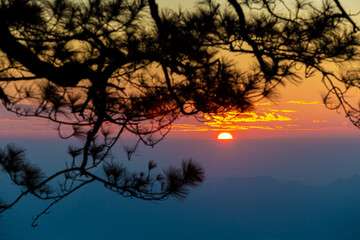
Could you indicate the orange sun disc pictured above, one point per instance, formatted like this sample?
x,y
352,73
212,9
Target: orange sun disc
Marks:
x,y
225,136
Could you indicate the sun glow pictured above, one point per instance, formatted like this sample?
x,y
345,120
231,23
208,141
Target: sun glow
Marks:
x,y
225,136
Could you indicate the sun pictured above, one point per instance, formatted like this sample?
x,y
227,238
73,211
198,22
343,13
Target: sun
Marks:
x,y
225,136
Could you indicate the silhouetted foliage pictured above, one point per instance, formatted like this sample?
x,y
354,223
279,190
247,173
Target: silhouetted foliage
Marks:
x,y
101,68
299,35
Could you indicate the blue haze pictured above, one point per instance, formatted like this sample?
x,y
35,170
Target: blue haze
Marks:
x,y
281,188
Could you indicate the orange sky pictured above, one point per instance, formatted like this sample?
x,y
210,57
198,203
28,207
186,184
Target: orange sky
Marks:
x,y
299,111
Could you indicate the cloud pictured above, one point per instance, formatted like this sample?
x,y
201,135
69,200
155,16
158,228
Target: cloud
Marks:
x,y
230,118
303,102
265,104
8,120
318,121
188,128
288,111
284,111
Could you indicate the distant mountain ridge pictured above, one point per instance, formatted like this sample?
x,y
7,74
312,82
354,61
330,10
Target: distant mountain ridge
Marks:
x,y
265,202
266,181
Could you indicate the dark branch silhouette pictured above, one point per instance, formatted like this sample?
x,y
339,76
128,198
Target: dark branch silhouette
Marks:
x,y
102,68
306,37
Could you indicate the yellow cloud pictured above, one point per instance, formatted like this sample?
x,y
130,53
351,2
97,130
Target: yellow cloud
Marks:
x,y
265,104
230,118
188,128
284,111
239,127
288,111
318,121
302,102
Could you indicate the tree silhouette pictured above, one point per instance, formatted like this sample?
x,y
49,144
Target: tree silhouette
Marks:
x,y
101,68
286,39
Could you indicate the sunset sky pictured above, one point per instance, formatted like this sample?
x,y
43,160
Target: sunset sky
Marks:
x,y
298,110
